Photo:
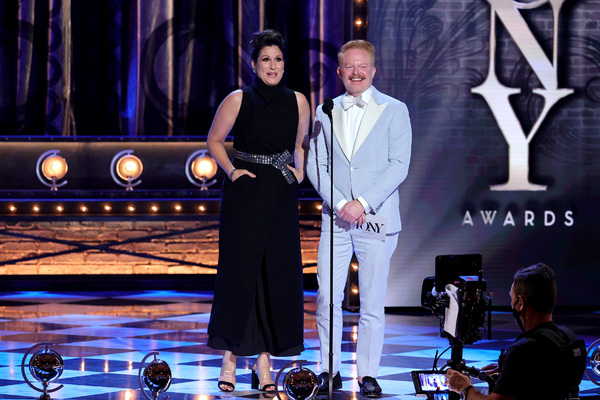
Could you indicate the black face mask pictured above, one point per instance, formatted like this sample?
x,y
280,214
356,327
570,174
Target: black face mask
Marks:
x,y
518,321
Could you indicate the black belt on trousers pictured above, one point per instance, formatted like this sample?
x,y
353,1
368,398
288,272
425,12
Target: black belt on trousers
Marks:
x,y
278,161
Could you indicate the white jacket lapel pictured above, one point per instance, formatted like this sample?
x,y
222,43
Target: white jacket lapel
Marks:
x,y
338,129
372,113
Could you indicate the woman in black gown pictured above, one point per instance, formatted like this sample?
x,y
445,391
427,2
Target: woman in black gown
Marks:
x,y
258,299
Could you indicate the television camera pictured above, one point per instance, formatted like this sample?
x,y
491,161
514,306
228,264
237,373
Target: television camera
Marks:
x,y
456,295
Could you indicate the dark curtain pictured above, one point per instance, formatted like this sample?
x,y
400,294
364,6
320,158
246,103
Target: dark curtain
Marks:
x,y
151,67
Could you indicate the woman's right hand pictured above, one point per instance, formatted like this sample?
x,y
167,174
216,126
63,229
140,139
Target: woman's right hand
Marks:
x,y
239,172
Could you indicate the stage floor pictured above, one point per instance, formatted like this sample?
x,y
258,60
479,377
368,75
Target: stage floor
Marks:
x,y
103,337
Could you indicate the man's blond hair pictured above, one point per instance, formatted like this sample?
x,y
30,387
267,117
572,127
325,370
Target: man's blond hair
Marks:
x,y
357,44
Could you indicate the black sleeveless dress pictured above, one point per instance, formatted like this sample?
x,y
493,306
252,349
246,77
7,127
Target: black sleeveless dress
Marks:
x,y
258,299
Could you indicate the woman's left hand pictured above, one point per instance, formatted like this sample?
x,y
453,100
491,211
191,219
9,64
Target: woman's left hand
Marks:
x,y
299,174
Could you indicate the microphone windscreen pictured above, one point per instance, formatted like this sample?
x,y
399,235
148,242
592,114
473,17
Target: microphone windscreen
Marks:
x,y
328,106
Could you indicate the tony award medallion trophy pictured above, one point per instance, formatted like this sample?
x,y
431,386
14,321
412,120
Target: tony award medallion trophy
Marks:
x,y
45,365
299,383
156,376
592,369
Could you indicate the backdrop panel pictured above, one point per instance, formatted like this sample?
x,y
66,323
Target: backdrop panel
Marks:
x,y
152,67
505,106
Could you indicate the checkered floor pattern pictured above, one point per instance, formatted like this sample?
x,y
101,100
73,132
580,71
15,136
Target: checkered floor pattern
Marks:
x,y
103,338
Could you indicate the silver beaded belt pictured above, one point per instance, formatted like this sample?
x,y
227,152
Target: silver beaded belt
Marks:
x,y
278,161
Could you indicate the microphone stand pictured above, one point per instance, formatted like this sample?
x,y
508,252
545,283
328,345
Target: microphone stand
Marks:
x,y
327,108
331,306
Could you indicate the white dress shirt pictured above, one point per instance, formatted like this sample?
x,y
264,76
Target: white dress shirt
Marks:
x,y
352,119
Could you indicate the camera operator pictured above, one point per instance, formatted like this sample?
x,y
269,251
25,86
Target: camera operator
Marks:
x,y
546,361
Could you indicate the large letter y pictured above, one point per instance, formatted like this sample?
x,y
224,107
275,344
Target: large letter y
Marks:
x,y
497,95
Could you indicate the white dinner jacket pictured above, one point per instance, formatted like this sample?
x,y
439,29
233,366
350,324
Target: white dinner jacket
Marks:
x,y
377,165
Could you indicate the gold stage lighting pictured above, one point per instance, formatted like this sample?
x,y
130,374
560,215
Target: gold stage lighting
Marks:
x,y
128,168
204,167
51,168
199,168
54,167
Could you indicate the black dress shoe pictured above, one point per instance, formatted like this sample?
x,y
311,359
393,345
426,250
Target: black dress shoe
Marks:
x,y
369,387
324,382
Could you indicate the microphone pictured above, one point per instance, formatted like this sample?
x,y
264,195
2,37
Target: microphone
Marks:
x,y
328,107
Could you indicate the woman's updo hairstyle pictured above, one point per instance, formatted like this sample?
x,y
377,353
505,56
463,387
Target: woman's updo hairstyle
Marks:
x,y
260,40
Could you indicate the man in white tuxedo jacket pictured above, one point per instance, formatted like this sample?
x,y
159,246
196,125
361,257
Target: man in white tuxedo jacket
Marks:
x,y
371,148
